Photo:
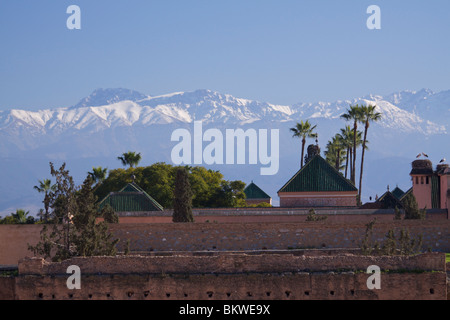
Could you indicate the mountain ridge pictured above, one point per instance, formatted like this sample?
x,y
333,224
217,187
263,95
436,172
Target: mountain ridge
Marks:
x,y
127,108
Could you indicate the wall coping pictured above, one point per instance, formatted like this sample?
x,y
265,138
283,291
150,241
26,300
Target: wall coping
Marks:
x,y
275,211
231,263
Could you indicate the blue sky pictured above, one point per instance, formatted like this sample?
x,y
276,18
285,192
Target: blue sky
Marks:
x,y
283,51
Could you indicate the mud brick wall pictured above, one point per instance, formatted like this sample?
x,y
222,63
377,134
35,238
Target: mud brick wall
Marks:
x,y
267,236
225,263
156,237
234,276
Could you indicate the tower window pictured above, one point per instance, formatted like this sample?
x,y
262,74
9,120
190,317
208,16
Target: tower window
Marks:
x,y
421,180
427,180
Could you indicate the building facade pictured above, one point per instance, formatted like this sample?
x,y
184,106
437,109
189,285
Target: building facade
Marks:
x,y
431,187
318,184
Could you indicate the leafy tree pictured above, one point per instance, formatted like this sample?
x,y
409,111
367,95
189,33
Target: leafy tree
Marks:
x,y
368,115
229,194
397,214
409,246
130,158
92,238
403,245
45,187
158,180
389,246
182,201
411,208
312,216
368,246
74,230
303,130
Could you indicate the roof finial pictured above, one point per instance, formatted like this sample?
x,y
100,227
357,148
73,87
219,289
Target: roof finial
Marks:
x,y
133,177
387,187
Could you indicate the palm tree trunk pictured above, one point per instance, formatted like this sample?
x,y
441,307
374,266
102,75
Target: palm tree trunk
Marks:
x,y
362,158
346,161
303,151
353,175
351,163
338,159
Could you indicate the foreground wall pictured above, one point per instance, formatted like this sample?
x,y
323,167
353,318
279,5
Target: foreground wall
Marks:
x,y
235,276
145,237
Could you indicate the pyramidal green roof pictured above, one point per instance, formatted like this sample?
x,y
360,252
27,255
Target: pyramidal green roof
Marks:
x,y
410,190
398,193
131,198
318,176
252,191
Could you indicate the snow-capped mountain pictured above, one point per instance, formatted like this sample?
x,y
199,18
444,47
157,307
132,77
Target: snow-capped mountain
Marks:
x,y
101,97
108,122
120,107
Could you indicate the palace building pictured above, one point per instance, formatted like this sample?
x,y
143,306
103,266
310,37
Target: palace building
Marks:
x,y
318,184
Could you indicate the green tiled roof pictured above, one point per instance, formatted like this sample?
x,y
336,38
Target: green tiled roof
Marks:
x,y
252,191
410,190
397,192
318,176
389,201
131,198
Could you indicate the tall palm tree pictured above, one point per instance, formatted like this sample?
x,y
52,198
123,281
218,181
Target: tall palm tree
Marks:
x,y
368,115
303,130
98,174
130,158
353,114
347,141
336,151
45,187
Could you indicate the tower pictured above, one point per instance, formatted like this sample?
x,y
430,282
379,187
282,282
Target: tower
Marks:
x,y
421,174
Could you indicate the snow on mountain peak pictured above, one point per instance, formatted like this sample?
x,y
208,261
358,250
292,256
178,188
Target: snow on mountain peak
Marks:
x,y
106,108
101,97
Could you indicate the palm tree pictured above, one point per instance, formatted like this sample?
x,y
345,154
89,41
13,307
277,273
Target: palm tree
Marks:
x,y
335,151
20,216
98,174
368,114
45,187
353,113
303,130
130,158
347,141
